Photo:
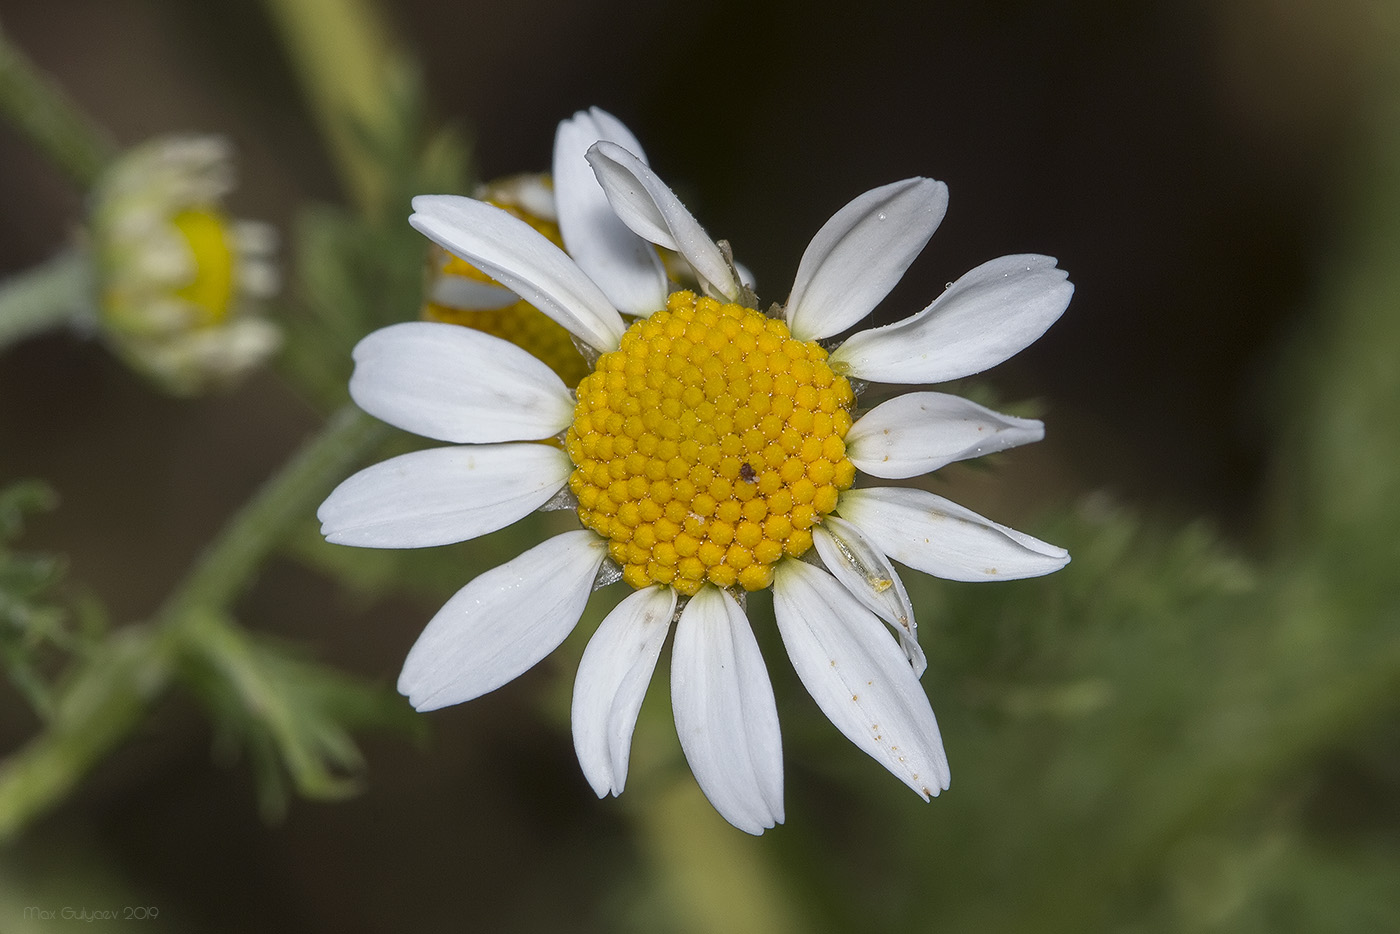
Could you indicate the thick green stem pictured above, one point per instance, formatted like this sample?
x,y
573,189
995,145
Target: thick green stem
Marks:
x,y
41,111
107,695
52,295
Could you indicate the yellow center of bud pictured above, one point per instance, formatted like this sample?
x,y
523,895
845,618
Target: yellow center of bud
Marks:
x,y
211,290
707,446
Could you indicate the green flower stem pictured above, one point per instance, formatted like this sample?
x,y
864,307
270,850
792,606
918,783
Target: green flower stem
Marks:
x,y
40,110
51,295
109,693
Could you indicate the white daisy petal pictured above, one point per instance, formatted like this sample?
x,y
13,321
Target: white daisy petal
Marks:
x,y
443,495
870,577
725,713
859,255
501,624
470,295
523,260
457,384
861,681
919,432
653,211
626,267
990,314
938,537
612,680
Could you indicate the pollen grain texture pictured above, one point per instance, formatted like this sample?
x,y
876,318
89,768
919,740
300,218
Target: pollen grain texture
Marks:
x,y
707,445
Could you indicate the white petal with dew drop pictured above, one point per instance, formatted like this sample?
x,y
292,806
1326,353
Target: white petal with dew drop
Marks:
x,y
626,267
861,253
939,537
470,295
612,681
725,713
501,624
991,313
443,495
857,675
919,432
523,260
870,577
653,211
457,384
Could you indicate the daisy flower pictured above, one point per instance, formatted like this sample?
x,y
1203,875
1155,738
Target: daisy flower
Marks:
x,y
711,451
181,285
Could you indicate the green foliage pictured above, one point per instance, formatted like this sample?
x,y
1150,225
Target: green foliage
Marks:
x,y
292,716
1129,740
35,619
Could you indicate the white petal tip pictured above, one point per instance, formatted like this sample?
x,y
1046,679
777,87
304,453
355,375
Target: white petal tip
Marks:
x,y
418,702
427,203
1051,563
603,790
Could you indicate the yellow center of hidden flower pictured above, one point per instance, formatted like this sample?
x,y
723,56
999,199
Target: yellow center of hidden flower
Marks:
x,y
520,322
212,288
707,446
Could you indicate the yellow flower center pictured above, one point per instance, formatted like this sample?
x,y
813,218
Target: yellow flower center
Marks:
x,y
707,446
212,288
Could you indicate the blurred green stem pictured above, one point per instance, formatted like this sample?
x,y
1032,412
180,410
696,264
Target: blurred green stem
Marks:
x,y
41,111
344,59
289,497
102,702
51,295
105,698
714,877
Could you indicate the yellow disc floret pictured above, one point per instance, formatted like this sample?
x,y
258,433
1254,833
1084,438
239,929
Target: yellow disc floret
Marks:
x,y
708,445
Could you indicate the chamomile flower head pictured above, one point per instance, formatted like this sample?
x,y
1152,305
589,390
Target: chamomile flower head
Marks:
x,y
180,283
712,450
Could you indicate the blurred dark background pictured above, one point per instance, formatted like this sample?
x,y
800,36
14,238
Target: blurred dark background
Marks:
x,y
1181,159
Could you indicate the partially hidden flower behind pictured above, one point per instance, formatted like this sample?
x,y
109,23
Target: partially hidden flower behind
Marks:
x,y
459,293
712,451
180,285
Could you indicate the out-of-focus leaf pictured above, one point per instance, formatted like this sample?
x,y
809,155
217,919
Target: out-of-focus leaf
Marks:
x,y
36,618
292,716
1161,691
